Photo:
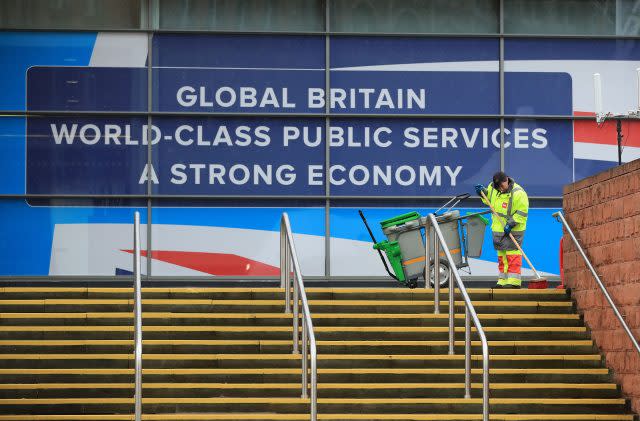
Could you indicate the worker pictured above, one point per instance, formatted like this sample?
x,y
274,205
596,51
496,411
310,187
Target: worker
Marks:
x,y
511,203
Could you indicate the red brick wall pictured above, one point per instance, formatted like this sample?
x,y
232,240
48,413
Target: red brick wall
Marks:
x,y
604,213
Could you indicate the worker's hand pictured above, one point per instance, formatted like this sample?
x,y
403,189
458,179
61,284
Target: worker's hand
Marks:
x,y
507,229
480,189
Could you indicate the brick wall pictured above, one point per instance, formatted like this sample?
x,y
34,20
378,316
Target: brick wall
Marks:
x,y
604,213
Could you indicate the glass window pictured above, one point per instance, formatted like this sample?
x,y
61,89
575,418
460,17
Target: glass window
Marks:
x,y
595,146
12,154
238,73
195,239
70,14
411,157
415,16
531,145
246,15
572,17
86,155
238,156
414,75
68,238
555,76
73,71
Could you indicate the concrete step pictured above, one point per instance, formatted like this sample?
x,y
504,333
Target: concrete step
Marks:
x,y
282,319
289,360
327,390
273,306
284,332
325,405
289,375
194,346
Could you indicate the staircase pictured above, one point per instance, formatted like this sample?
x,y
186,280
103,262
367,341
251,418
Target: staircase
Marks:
x,y
225,354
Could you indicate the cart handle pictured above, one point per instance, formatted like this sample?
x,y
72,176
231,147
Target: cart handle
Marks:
x,y
384,262
459,198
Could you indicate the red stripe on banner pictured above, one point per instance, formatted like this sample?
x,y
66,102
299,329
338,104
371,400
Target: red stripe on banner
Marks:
x,y
587,131
219,264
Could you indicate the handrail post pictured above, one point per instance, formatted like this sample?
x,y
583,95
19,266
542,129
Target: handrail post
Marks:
x,y
314,378
485,374
284,270
427,263
282,256
452,322
472,313
308,352
467,353
304,360
137,310
560,217
296,312
436,275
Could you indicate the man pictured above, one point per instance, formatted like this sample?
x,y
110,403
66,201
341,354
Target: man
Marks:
x,y
511,203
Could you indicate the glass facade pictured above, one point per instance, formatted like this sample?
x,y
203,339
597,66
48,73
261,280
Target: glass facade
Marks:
x,y
246,15
572,17
71,14
415,16
213,116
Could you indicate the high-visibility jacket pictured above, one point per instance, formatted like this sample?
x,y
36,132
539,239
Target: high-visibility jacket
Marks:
x,y
513,207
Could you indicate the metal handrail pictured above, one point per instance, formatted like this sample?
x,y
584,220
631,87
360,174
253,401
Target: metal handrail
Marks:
x,y
560,218
137,311
289,261
470,313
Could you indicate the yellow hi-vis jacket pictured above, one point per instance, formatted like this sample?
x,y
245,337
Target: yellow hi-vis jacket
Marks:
x,y
513,208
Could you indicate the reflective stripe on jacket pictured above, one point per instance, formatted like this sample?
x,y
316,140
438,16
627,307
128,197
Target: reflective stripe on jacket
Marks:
x,y
513,207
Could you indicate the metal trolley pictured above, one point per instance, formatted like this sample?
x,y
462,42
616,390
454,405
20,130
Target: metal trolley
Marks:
x,y
406,235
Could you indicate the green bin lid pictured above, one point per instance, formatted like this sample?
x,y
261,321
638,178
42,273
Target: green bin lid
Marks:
x,y
400,219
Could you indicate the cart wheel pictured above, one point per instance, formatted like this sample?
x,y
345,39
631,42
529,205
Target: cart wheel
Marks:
x,y
445,274
412,283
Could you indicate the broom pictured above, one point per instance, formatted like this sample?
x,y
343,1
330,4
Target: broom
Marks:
x,y
539,282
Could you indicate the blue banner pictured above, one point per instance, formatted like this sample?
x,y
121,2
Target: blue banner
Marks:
x,y
276,156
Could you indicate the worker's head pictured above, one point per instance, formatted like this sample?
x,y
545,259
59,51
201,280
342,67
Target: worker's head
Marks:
x,y
501,181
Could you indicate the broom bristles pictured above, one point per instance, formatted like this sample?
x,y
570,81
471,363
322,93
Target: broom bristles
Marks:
x,y
540,283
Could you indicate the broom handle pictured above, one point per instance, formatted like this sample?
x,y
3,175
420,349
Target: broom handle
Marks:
x,y
495,214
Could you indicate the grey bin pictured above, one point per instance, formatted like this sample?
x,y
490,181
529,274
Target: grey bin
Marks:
x,y
411,243
450,228
476,227
409,238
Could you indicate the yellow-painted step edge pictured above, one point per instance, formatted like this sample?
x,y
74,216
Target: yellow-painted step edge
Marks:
x,y
167,315
305,417
331,401
190,290
321,386
387,329
336,303
258,371
288,356
113,342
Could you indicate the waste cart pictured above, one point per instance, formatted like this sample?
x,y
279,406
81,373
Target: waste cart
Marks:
x,y
406,233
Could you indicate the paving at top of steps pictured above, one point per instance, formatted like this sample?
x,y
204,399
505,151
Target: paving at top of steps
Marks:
x,y
225,353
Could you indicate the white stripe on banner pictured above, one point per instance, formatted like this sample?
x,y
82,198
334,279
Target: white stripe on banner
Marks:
x,y
119,50
598,152
453,66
